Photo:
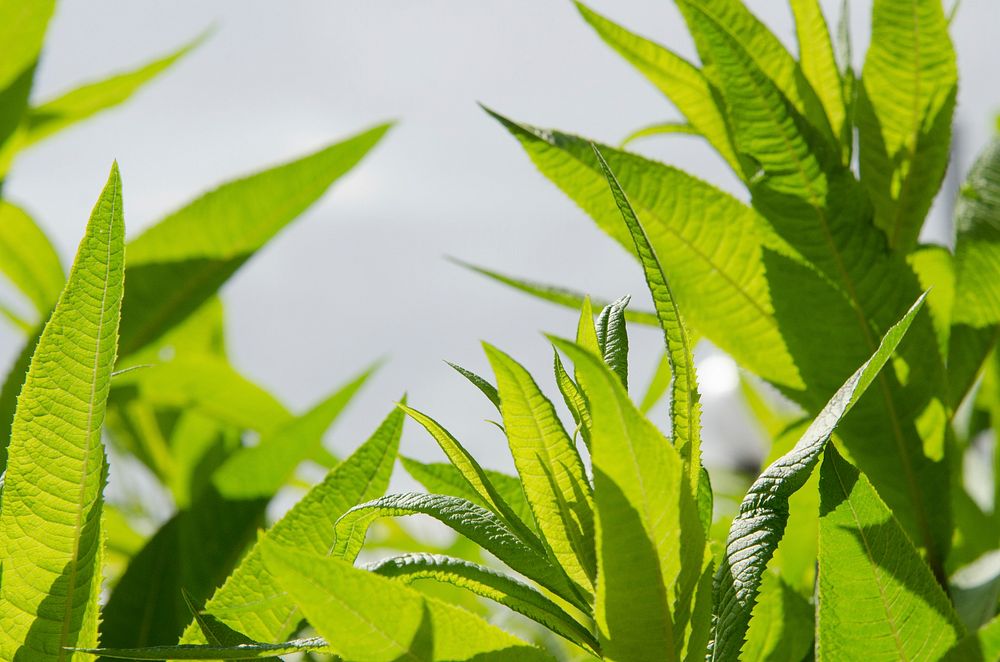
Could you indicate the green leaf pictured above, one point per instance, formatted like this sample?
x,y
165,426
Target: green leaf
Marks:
x,y
907,96
574,399
50,522
658,384
977,245
446,479
210,385
736,312
685,411
815,203
662,128
765,49
490,584
756,531
260,471
467,519
251,601
549,465
819,65
487,389
555,294
878,599
253,651
642,546
679,80
782,626
52,116
980,646
22,30
935,269
175,265
371,618
28,259
612,336
475,477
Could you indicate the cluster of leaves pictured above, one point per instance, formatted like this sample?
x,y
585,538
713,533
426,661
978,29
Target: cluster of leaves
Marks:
x,y
620,551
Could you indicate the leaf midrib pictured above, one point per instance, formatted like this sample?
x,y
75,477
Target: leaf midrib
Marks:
x,y
81,490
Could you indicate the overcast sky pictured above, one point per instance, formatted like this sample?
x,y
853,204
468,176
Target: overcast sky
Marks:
x,y
361,275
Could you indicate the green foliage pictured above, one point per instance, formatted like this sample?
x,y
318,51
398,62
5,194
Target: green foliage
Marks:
x,y
50,521
618,550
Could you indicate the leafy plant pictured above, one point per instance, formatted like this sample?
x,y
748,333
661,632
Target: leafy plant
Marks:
x,y
610,541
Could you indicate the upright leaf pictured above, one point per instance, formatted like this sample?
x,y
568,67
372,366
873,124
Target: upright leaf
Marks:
x,y
878,600
760,524
766,50
372,618
50,520
549,465
685,411
819,63
679,80
907,97
641,546
612,336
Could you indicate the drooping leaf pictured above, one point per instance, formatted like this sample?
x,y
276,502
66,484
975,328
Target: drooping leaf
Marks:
x,y
549,465
50,521
251,601
877,598
907,97
760,525
175,265
372,618
28,259
490,584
